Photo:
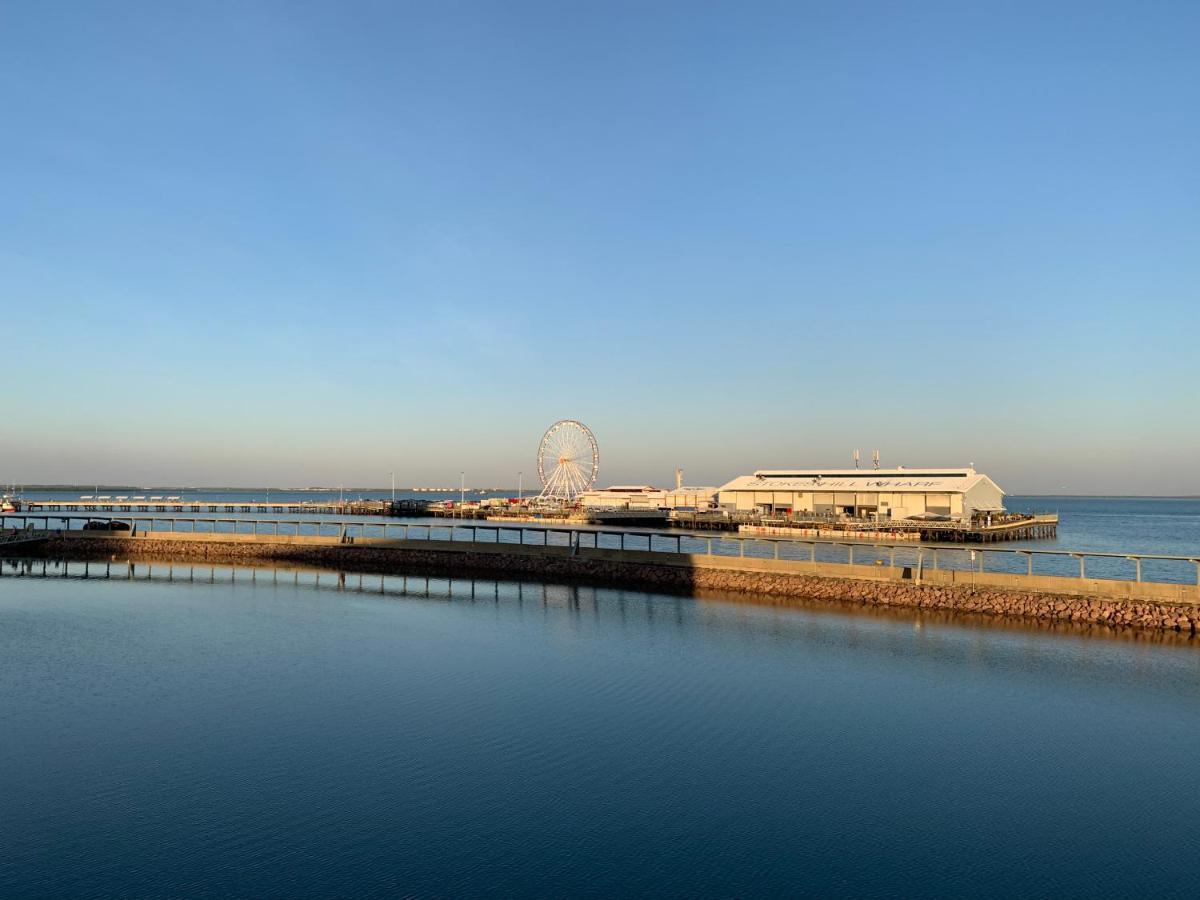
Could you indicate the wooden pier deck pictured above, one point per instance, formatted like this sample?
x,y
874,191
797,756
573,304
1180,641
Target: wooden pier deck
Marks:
x,y
1011,527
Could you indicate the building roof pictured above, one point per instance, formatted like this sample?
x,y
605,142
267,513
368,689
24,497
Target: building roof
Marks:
x,y
628,489
947,480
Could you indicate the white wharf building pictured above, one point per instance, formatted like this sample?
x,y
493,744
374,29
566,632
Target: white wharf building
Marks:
x,y
880,494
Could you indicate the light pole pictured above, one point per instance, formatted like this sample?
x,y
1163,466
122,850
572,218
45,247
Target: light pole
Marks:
x,y
462,488
519,477
393,489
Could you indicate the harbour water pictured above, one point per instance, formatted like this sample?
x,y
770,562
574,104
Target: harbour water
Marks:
x,y
288,734
1168,526
1152,526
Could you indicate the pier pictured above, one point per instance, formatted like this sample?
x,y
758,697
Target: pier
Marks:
x,y
1138,590
180,505
980,530
919,557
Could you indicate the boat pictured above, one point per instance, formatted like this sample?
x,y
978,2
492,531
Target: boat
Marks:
x,y
9,504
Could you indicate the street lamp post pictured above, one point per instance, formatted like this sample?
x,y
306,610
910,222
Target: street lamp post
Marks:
x,y
520,475
462,488
393,489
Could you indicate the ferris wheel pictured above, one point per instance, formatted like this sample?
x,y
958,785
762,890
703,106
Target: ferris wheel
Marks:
x,y
568,460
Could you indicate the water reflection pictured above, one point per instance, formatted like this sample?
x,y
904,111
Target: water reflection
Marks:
x,y
575,599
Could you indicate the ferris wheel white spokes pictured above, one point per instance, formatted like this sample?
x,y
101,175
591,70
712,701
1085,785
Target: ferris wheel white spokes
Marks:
x,y
568,460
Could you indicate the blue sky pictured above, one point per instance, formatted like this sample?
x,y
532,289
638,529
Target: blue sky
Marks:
x,y
316,242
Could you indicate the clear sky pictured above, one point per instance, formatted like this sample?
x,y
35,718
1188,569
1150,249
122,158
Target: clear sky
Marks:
x,y
312,243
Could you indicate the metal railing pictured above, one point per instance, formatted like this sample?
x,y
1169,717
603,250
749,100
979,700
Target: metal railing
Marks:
x,y
1082,564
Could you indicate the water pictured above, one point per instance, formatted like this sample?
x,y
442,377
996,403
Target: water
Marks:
x,y
1163,526
1167,526
1160,526
283,737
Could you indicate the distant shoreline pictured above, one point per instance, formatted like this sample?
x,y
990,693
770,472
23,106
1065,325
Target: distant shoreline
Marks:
x,y
90,488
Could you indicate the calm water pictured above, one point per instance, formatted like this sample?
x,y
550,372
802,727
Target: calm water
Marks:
x,y
277,738
1158,525
1119,525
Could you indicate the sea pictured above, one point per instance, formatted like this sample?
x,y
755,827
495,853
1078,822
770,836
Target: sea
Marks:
x,y
1113,527
179,731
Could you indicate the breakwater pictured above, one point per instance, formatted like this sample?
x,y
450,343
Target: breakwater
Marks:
x,y
1173,607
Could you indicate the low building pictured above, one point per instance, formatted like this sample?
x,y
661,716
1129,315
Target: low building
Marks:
x,y
697,498
957,494
624,496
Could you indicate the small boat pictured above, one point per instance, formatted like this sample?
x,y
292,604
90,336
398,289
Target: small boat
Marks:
x,y
9,504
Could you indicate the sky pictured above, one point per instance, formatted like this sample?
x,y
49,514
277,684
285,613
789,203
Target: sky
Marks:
x,y
315,243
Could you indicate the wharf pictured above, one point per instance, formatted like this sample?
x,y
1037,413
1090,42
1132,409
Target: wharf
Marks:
x,y
952,578
1009,527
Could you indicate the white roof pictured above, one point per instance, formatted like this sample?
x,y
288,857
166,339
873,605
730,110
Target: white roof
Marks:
x,y
947,480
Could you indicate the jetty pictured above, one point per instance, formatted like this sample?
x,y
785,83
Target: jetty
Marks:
x,y
1139,590
183,505
986,529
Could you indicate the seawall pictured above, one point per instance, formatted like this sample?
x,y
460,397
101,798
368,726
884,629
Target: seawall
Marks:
x,y
1174,607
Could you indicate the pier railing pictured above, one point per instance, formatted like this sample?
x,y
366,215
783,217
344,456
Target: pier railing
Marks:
x,y
924,557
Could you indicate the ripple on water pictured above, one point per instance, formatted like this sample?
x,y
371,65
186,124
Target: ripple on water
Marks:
x,y
283,738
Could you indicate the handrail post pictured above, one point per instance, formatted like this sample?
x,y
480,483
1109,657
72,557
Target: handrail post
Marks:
x,y
1137,564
